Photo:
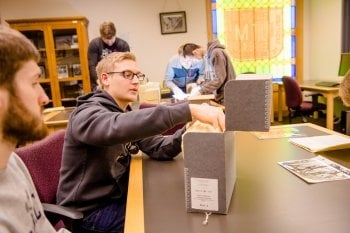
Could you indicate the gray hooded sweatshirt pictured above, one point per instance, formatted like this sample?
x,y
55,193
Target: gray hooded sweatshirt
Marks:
x,y
220,64
97,135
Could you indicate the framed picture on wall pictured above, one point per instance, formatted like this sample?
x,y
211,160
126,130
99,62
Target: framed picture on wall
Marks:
x,y
173,22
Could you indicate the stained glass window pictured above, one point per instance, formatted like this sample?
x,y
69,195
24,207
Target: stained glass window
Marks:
x,y
259,34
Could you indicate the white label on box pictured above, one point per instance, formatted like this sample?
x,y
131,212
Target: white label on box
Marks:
x,y
204,194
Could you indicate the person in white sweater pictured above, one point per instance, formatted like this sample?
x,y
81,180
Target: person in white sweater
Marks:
x,y
21,102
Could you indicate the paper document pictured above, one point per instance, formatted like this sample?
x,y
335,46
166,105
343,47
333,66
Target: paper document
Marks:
x,y
322,143
316,169
279,133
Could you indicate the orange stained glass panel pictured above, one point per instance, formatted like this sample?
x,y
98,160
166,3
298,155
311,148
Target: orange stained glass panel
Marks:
x,y
247,28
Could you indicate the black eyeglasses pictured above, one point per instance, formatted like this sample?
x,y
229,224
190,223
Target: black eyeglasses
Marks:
x,y
129,75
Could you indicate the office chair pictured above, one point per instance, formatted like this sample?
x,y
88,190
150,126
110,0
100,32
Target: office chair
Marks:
x,y
294,100
169,131
43,160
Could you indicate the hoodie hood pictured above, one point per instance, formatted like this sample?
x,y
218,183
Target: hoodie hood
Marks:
x,y
100,97
213,45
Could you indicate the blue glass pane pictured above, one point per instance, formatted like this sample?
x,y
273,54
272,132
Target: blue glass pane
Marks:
x,y
214,23
294,72
277,79
293,17
293,46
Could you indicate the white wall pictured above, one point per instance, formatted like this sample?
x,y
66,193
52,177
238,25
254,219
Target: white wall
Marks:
x,y
322,39
137,21
322,42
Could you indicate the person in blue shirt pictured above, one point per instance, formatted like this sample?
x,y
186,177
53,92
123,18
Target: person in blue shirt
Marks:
x,y
183,68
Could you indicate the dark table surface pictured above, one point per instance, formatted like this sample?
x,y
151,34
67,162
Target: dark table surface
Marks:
x,y
267,198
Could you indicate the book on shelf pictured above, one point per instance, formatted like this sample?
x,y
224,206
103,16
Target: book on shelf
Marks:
x,y
76,70
62,71
248,102
43,72
322,143
63,42
317,169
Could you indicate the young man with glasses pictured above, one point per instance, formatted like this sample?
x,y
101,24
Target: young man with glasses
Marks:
x,y
102,133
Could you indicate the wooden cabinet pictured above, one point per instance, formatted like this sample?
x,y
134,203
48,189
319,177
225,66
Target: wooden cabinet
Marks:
x,y
62,43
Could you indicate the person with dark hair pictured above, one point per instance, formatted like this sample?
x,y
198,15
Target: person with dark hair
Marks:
x,y
99,47
102,133
182,69
21,121
218,70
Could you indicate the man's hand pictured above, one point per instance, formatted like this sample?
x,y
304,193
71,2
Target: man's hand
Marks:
x,y
208,114
195,90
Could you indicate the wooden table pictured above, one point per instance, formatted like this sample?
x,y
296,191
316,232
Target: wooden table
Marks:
x,y
329,93
267,198
279,100
199,99
57,118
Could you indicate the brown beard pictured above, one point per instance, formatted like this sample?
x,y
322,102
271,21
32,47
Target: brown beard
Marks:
x,y
20,125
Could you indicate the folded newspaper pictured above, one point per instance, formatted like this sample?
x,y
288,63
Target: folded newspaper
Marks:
x,y
317,169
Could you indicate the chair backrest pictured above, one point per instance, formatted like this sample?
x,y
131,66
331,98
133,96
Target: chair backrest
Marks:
x,y
293,92
43,160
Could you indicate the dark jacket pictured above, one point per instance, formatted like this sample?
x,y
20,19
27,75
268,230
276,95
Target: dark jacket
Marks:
x,y
223,70
98,49
97,133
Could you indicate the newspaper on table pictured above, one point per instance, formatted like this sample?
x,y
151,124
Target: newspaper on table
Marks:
x,y
317,169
